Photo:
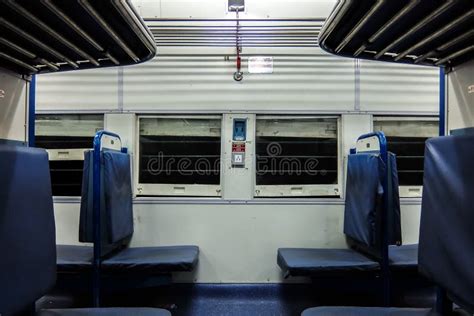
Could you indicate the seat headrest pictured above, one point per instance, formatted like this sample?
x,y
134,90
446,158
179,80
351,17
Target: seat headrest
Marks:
x,y
27,231
446,245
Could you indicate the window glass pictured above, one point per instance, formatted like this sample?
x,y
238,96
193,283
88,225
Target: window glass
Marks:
x,y
296,156
406,138
179,151
66,137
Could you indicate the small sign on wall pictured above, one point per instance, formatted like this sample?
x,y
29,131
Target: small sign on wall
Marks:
x,y
260,65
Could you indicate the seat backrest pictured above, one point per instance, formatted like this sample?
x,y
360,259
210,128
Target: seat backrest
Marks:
x,y
27,231
446,249
365,202
116,209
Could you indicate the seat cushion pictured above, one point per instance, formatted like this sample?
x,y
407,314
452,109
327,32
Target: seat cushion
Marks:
x,y
153,259
404,257
74,258
307,261
363,311
105,312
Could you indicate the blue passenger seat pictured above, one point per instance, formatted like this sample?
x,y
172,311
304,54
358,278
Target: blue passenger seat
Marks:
x,y
404,257
27,233
446,234
365,311
117,218
72,258
364,202
313,262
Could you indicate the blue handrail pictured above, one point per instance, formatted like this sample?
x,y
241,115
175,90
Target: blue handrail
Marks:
x,y
96,213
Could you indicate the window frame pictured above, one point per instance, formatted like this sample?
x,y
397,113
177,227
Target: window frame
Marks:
x,y
169,190
303,191
406,191
68,154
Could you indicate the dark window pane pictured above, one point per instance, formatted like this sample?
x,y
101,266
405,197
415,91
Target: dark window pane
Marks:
x,y
180,160
406,139
180,151
296,151
410,158
66,132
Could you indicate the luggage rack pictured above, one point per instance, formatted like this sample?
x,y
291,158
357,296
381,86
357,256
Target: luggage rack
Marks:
x,y
425,32
52,35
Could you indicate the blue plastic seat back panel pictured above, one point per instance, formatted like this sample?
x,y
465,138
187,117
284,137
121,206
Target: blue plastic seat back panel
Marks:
x,y
86,228
116,200
446,250
404,257
364,202
71,258
307,261
105,312
27,231
365,311
118,195
153,259
364,199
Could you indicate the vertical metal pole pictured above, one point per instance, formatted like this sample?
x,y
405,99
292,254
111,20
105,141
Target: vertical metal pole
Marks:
x,y
442,102
444,306
31,111
96,223
385,267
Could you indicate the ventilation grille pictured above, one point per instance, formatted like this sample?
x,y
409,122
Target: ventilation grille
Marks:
x,y
226,33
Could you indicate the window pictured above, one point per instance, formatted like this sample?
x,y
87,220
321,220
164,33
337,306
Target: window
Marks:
x,y
296,156
66,137
179,155
406,137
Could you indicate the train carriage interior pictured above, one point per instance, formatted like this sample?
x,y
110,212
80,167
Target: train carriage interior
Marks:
x,y
236,157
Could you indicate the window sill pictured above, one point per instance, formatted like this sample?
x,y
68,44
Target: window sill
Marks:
x,y
257,201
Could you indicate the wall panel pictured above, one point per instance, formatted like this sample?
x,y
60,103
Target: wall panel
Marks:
x,y
322,82
218,8
389,87
85,90
460,100
238,243
13,107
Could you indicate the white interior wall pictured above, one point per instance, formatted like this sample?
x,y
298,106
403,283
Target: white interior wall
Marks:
x,y
388,87
13,107
239,239
238,242
217,9
314,82
94,90
321,82
460,97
